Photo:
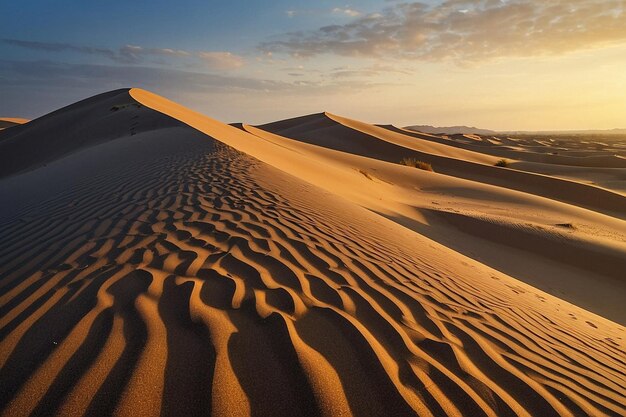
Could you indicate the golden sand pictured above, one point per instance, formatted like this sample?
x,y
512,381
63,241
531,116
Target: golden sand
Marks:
x,y
155,261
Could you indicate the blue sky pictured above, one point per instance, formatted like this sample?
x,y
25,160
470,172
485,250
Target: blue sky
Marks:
x,y
502,64
191,24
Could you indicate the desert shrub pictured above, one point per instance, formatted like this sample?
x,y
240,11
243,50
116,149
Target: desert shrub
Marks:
x,y
124,106
412,162
502,163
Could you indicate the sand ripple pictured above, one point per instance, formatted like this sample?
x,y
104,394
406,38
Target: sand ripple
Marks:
x,y
196,280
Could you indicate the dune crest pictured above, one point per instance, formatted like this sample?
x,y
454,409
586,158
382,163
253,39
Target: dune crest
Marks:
x,y
6,122
194,268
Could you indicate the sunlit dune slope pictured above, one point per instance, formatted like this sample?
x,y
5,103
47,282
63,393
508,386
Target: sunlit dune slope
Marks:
x,y
564,261
195,268
6,122
376,142
518,233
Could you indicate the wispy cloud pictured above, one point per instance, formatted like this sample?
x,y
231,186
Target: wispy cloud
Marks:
x,y
60,74
366,72
62,47
134,54
222,60
466,31
35,74
32,88
346,11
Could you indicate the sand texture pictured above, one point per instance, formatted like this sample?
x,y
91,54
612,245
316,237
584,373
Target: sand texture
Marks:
x,y
154,261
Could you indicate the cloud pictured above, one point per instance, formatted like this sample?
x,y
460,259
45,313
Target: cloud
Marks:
x,y
367,72
466,31
222,60
134,54
346,11
62,47
67,75
32,88
323,12
48,75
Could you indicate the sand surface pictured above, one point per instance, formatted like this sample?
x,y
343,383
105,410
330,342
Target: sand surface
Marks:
x,y
6,122
155,261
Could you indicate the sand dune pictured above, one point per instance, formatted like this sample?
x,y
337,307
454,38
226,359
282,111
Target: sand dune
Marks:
x,y
448,209
155,261
87,123
545,152
379,143
603,167
6,122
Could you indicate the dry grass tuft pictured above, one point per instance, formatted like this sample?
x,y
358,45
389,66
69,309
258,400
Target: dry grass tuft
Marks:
x,y
412,162
502,163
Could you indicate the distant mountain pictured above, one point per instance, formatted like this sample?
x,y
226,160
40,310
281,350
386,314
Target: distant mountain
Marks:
x,y
451,130
616,131
466,130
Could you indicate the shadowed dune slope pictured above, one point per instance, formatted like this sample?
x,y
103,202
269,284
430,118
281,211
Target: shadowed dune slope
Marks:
x,y
179,276
323,129
83,124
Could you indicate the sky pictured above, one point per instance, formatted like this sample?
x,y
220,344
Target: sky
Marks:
x,y
496,64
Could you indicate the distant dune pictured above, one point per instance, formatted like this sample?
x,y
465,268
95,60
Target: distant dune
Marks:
x,y
155,261
469,130
616,131
451,130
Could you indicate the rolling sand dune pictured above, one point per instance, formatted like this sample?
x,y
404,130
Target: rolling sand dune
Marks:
x,y
379,143
455,212
603,168
81,125
546,153
155,261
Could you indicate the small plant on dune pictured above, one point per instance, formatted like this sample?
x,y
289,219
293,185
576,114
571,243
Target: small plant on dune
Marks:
x,y
124,106
412,162
502,163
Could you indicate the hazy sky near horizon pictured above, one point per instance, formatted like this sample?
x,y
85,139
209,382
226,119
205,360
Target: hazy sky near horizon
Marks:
x,y
499,64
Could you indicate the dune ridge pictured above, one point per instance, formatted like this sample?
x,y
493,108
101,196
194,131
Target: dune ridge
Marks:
x,y
205,270
380,143
455,212
6,122
602,168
